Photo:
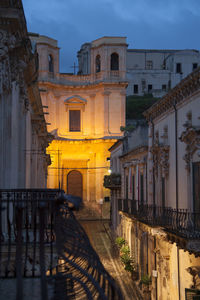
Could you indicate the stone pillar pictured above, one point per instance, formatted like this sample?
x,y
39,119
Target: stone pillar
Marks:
x,y
106,112
123,108
92,114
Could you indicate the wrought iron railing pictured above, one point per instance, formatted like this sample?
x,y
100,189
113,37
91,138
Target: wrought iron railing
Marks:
x,y
40,237
182,221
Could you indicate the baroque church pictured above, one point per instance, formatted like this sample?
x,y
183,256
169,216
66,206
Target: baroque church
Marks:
x,y
84,114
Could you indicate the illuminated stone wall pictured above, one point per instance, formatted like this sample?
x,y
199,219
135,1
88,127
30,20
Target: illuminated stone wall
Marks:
x,y
100,98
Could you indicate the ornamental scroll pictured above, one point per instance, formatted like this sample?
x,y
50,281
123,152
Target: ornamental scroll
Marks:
x,y
161,158
191,137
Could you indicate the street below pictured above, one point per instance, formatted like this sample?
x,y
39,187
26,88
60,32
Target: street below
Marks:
x,y
100,237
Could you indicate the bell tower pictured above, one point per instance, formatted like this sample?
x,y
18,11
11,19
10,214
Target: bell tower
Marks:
x,y
108,58
48,53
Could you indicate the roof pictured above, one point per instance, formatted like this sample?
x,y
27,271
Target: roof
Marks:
x,y
184,89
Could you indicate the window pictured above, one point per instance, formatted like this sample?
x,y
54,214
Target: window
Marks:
x,y
194,66
133,190
114,62
141,189
150,87
126,187
164,87
98,64
143,85
50,60
149,64
196,186
163,192
74,120
178,68
135,89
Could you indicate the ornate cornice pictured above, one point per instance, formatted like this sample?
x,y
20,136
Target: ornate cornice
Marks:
x,y
187,87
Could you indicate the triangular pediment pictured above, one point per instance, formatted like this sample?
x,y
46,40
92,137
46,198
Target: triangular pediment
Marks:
x,y
76,99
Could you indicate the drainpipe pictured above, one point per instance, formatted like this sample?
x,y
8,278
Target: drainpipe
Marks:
x,y
154,201
177,194
155,267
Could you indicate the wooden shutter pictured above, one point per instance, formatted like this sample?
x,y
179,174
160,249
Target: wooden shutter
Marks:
x,y
141,189
133,185
196,186
74,120
163,192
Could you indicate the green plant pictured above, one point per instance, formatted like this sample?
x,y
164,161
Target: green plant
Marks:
x,y
128,128
128,267
120,241
146,279
125,250
125,258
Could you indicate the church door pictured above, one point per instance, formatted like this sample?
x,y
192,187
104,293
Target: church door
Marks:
x,y
75,183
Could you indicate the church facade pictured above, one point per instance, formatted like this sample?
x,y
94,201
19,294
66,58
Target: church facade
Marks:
x,y
84,113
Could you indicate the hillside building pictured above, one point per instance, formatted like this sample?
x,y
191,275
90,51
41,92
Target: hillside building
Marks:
x,y
149,71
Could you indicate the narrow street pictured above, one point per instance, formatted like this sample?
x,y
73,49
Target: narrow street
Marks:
x,y
100,238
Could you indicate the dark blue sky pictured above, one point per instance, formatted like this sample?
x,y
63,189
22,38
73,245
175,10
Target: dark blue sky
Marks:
x,y
150,24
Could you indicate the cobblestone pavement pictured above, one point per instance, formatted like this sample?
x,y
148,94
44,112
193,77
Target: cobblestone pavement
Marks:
x,y
100,238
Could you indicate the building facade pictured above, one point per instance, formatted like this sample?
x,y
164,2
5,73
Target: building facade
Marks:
x,y
157,71
23,134
149,71
85,113
161,225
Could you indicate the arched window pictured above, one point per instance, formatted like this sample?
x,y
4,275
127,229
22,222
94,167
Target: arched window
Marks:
x,y
50,60
114,66
98,63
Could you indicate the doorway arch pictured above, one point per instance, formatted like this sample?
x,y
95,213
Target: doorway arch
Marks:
x,y
75,183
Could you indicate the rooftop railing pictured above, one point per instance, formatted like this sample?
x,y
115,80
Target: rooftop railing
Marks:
x,y
40,238
179,221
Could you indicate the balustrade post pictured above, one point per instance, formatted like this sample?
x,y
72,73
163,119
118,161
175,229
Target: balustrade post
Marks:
x,y
19,239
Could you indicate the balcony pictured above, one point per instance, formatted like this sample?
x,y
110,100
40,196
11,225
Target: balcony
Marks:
x,y
112,181
181,222
44,251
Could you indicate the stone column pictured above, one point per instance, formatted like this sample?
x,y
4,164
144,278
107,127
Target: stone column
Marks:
x,y
106,112
123,108
92,114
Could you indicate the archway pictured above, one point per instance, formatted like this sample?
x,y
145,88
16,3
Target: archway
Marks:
x,y
75,183
114,62
98,63
50,60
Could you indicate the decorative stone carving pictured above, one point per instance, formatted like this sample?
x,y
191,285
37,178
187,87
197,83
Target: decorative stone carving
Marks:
x,y
6,42
161,158
191,137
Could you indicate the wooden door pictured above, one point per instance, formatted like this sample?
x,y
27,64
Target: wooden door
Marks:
x,y
75,183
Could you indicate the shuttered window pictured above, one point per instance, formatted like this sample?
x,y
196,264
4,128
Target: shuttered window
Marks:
x,y
74,120
196,186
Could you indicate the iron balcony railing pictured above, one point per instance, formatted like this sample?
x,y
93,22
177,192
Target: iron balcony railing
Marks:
x,y
179,221
41,239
